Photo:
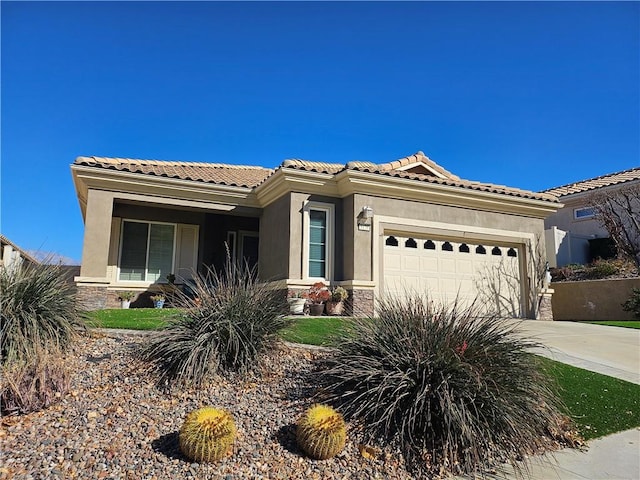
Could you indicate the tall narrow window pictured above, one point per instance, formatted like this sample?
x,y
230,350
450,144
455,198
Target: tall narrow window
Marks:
x,y
147,251
317,243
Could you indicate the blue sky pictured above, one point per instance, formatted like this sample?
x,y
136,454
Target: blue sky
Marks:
x,y
531,95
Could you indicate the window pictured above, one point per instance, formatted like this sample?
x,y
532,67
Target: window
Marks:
x,y
480,250
318,245
496,251
147,251
391,242
512,253
429,245
582,213
463,248
447,247
410,243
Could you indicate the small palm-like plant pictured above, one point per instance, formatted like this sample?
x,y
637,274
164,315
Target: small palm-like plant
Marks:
x,y
38,312
230,323
448,387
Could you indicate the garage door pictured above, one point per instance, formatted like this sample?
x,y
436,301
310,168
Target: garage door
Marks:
x,y
450,269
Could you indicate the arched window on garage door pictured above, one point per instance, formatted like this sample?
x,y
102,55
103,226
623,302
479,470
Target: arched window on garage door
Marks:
x,y
410,243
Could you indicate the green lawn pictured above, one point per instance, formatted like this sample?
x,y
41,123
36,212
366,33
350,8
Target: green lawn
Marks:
x,y
599,404
132,318
619,323
313,330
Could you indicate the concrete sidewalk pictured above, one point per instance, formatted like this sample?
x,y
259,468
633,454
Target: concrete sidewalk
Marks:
x,y
612,351
615,457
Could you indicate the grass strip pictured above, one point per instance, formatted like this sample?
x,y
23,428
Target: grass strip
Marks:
x,y
618,323
131,319
599,405
314,330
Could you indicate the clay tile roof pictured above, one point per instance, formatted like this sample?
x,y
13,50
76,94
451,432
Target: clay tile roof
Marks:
x,y
391,169
321,167
417,157
610,179
218,173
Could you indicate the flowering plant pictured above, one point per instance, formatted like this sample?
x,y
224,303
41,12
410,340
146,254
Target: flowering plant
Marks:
x,y
318,293
157,298
338,294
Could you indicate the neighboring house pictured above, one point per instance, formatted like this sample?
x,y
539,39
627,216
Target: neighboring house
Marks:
x,y
568,232
372,228
12,256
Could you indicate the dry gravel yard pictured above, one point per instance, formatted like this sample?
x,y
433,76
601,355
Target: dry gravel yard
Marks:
x,y
115,424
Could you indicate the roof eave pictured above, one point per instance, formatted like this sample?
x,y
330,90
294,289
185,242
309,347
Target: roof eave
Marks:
x,y
353,181
85,178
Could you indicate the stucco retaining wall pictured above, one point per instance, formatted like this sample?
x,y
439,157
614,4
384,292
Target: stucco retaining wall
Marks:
x,y
593,299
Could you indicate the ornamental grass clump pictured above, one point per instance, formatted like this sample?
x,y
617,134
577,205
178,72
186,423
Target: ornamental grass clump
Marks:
x,y
453,390
29,386
38,312
229,321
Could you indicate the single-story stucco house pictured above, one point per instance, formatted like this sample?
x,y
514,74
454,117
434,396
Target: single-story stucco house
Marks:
x,y
372,228
572,230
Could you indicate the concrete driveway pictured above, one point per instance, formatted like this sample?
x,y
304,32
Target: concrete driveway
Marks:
x,y
612,351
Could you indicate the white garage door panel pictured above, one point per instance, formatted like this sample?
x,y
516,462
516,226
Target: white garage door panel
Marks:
x,y
459,271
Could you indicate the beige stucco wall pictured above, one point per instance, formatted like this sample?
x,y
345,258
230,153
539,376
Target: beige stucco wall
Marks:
x,y
97,234
275,239
564,219
592,299
434,213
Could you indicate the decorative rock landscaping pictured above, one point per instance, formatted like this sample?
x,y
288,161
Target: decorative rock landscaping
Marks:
x,y
116,424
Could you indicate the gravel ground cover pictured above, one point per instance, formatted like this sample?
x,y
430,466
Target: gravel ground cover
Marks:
x,y
116,424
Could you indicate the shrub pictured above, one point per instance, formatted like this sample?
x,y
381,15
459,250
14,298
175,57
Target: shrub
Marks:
x,y
230,323
33,385
633,303
207,434
321,432
339,294
449,388
38,312
603,268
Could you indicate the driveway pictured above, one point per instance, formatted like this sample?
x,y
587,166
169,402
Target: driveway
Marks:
x,y
612,351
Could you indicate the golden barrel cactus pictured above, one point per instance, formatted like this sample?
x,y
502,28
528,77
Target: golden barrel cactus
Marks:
x,y
321,432
207,434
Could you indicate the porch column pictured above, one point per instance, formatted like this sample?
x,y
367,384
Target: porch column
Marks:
x,y
92,282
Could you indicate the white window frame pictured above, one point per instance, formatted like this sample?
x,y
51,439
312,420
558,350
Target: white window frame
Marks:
x,y
329,210
146,267
585,217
